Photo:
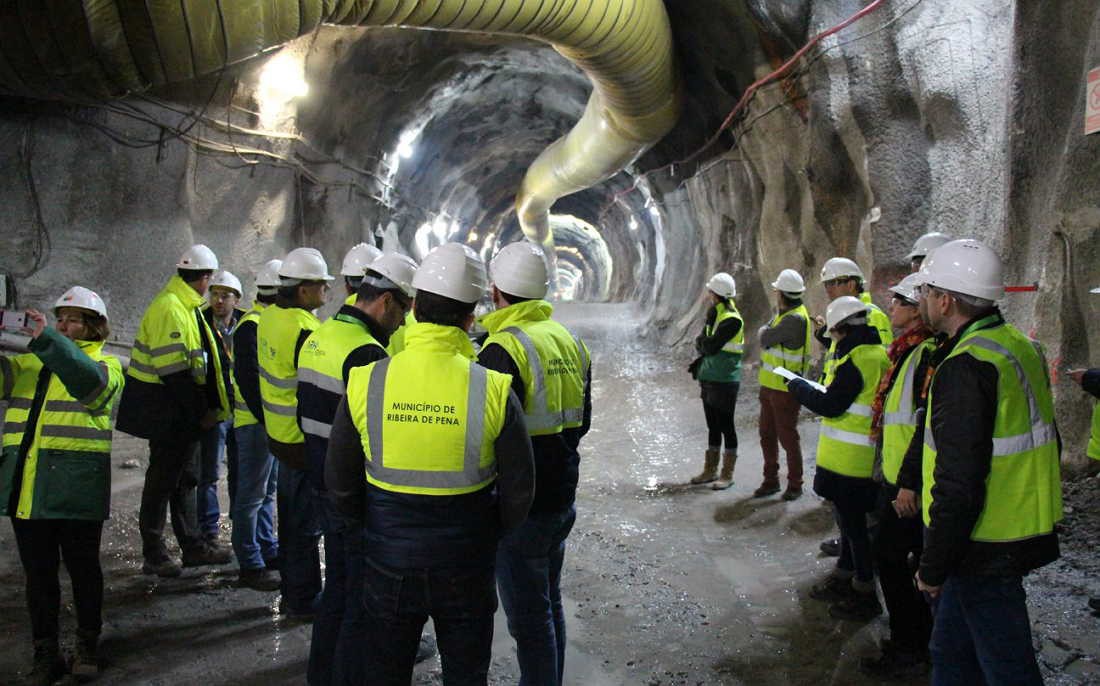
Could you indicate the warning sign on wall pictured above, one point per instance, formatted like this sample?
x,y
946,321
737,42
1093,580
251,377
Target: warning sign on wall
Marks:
x,y
1092,102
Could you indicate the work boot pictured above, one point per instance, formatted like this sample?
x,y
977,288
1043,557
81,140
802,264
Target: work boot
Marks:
x,y
895,663
261,579
765,490
204,554
1094,604
792,493
85,664
833,589
831,547
162,568
729,460
860,606
710,468
48,665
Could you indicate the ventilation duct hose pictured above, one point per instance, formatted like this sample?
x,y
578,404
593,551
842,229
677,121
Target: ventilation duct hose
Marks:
x,y
98,49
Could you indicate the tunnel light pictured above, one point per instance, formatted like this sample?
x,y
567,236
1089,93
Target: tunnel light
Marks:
x,y
405,143
472,237
633,224
282,79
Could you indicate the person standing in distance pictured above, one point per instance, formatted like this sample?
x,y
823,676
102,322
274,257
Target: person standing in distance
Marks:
x,y
552,378
448,466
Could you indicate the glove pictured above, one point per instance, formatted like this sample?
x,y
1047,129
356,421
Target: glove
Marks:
x,y
693,368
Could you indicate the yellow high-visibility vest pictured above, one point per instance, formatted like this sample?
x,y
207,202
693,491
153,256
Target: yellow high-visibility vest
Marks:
x,y
844,444
796,360
276,337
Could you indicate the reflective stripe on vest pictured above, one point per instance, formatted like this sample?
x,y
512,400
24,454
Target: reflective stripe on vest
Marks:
x,y
277,335
539,418
472,474
844,444
242,415
1023,489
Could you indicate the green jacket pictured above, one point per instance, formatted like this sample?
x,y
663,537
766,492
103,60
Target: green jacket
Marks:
x,y
56,456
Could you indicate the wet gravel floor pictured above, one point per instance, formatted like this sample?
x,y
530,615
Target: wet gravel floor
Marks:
x,y
663,583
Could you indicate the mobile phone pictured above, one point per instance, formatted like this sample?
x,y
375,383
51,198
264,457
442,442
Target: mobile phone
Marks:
x,y
13,320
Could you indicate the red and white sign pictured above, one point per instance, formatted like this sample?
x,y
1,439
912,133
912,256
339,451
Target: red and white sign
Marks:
x,y
1092,102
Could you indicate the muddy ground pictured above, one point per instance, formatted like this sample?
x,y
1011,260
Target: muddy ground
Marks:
x,y
664,584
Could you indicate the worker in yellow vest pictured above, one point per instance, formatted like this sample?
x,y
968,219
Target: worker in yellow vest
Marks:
x,y
253,507
447,462
280,334
1089,379
846,453
55,471
552,378
720,346
923,247
354,265
354,337
894,419
784,343
991,491
175,390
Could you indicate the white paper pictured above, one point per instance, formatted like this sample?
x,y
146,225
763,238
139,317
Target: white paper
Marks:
x,y
790,376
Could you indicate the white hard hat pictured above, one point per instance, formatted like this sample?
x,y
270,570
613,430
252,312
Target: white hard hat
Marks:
x,y
789,281
81,297
843,308
908,287
358,259
840,267
198,258
227,280
722,284
519,269
454,271
1095,290
927,243
268,275
965,266
397,269
304,264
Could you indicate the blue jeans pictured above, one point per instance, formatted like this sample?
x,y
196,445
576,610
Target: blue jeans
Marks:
x,y
253,509
982,634
299,535
398,602
213,455
529,562
330,611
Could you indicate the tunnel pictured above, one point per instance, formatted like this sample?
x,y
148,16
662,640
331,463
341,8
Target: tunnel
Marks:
x,y
645,145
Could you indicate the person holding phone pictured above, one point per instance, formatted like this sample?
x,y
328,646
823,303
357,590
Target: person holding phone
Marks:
x,y
58,422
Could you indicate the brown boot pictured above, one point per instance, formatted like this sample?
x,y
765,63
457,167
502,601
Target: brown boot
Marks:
x,y
710,468
729,459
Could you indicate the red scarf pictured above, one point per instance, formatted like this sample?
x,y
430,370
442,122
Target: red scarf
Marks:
x,y
912,337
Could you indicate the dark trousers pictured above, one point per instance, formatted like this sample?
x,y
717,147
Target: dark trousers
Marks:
x,y
42,544
982,634
171,479
299,535
910,617
855,541
529,562
779,426
350,667
461,603
719,427
330,611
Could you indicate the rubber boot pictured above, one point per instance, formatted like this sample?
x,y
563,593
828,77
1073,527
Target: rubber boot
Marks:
x,y
48,665
729,459
85,665
710,468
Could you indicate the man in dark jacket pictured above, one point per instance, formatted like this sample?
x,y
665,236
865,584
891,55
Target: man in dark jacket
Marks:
x,y
991,491
448,465
174,391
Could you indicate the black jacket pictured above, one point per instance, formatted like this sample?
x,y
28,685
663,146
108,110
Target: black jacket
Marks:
x,y
407,531
964,406
1091,382
557,458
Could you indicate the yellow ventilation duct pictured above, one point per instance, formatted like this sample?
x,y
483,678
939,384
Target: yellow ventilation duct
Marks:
x,y
63,49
